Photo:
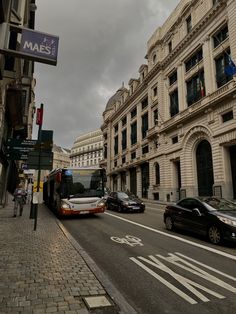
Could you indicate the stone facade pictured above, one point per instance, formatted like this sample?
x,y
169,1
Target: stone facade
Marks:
x,y
61,157
17,98
87,149
172,132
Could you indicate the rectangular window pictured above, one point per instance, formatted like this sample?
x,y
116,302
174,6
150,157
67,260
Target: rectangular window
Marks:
x,y
123,160
195,59
144,103
116,128
170,46
222,62
154,91
145,149
189,24
133,113
227,116
133,135
15,5
124,121
174,103
105,151
124,139
116,145
144,125
220,36
155,116
9,60
133,155
173,78
195,88
174,139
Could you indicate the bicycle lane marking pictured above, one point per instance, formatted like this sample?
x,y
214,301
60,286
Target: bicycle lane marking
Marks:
x,y
233,257
128,239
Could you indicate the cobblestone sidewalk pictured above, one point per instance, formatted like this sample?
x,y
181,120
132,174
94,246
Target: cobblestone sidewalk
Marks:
x,y
40,271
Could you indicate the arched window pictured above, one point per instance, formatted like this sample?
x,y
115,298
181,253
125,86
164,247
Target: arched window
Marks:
x,y
157,172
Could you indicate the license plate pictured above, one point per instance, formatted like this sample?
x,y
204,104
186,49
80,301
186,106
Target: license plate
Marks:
x,y
84,212
135,207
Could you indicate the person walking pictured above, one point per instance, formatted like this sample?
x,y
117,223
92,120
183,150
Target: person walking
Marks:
x,y
19,199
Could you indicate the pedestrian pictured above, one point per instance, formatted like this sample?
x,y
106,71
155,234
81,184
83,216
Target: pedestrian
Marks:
x,y
19,199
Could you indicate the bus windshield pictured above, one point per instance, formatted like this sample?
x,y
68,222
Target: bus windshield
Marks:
x,y
82,183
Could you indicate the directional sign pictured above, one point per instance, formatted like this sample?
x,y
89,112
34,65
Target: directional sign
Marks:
x,y
15,143
18,149
45,159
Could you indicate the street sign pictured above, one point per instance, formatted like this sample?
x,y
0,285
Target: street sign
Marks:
x,y
44,161
15,143
18,149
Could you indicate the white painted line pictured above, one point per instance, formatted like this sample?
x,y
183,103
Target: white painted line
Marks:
x,y
233,257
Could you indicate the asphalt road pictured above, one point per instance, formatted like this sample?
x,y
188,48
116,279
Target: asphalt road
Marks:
x,y
158,271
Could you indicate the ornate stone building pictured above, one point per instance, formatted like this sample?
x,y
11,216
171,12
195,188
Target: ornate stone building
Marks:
x,y
87,149
172,132
61,157
17,84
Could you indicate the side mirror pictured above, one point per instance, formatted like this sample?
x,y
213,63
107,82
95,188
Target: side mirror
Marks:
x,y
197,211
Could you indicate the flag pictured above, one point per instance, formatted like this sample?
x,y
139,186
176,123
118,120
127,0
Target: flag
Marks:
x,y
202,89
230,69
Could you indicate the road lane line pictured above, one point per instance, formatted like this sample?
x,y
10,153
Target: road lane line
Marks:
x,y
233,257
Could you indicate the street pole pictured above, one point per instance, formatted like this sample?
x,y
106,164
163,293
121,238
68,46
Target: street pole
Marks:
x,y
39,122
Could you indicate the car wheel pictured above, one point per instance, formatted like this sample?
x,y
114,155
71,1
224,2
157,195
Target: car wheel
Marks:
x,y
214,235
119,208
169,223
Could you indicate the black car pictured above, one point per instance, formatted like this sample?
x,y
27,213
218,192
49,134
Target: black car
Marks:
x,y
210,216
123,202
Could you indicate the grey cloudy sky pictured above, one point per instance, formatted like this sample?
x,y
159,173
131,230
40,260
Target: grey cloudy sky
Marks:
x,y
102,43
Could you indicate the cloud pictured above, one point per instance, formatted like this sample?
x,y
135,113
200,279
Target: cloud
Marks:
x,y
102,43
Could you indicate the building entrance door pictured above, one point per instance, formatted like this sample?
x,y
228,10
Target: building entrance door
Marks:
x,y
204,169
133,181
145,179
233,168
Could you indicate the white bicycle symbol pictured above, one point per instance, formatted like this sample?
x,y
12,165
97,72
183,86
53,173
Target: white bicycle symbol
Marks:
x,y
128,239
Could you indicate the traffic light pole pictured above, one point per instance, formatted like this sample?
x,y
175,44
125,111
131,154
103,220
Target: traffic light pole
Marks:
x,y
39,122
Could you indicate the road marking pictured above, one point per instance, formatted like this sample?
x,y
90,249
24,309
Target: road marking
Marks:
x,y
128,239
183,263
233,257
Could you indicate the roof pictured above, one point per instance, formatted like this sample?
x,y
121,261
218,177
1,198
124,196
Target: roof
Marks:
x,y
115,98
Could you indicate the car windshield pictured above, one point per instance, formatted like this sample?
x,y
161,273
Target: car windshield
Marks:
x,y
123,196
219,204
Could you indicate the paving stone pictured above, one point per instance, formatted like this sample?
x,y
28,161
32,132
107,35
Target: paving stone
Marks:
x,y
40,271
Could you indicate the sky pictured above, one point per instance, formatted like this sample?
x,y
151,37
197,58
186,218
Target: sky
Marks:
x,y
102,43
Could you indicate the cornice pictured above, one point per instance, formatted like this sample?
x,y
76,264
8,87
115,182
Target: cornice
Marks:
x,y
160,66
197,29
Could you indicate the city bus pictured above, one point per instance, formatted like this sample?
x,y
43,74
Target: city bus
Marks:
x,y
75,191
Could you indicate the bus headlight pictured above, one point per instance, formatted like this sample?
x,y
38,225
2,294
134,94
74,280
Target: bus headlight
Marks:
x,y
64,205
101,204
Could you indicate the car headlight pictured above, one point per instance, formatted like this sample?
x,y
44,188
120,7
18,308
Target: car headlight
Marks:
x,y
64,205
125,203
228,221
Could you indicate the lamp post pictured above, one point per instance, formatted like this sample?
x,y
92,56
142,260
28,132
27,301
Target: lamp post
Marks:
x,y
39,122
